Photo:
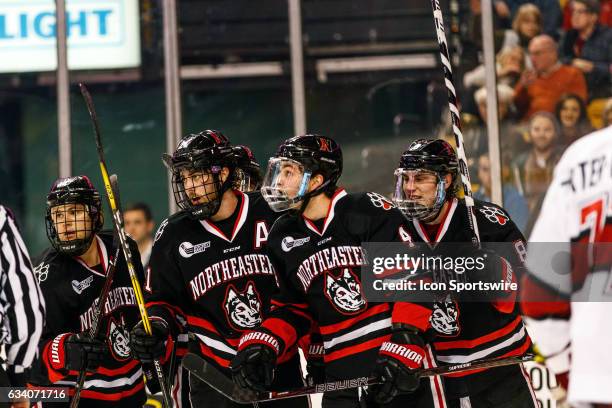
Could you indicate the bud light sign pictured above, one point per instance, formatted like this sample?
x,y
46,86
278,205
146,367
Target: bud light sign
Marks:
x,y
101,34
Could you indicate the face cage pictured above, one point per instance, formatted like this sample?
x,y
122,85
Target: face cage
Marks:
x,y
211,206
77,246
411,208
276,196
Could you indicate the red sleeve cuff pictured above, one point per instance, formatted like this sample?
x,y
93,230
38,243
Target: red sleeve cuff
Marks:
x,y
412,314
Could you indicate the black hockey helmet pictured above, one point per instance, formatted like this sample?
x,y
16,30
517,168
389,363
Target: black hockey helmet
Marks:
x,y
312,154
248,172
196,165
435,157
71,229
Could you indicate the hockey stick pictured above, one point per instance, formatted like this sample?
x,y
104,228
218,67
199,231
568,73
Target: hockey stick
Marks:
x,y
118,221
224,385
94,329
454,112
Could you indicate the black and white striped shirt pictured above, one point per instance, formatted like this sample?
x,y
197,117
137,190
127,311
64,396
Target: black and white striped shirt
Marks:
x,y
22,307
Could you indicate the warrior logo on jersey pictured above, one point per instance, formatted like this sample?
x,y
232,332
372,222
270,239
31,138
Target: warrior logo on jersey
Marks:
x,y
187,249
445,318
344,292
119,340
41,272
494,214
243,309
380,202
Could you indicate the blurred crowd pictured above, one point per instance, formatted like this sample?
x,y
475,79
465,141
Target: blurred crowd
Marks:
x,y
553,67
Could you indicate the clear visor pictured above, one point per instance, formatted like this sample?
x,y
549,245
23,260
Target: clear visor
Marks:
x,y
285,183
418,193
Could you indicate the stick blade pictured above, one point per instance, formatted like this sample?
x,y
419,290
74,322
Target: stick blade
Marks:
x,y
216,379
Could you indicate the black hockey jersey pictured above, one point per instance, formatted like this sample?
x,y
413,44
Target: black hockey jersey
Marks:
x,y
213,280
319,265
468,331
71,290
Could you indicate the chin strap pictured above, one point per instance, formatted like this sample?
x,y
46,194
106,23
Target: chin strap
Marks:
x,y
308,196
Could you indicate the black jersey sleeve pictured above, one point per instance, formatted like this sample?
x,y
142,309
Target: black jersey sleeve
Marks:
x,y
60,317
377,220
289,318
164,292
500,234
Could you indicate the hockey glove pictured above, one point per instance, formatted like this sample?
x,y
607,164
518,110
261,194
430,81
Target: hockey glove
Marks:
x,y
70,351
253,366
148,348
397,360
315,366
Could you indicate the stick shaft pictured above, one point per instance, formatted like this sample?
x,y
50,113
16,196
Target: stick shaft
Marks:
x,y
118,223
455,118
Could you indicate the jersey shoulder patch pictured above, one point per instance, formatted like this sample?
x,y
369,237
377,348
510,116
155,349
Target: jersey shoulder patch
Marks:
x,y
368,202
491,212
174,219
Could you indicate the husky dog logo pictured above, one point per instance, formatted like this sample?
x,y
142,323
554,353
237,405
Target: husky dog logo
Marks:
x,y
445,318
345,292
243,309
119,340
495,215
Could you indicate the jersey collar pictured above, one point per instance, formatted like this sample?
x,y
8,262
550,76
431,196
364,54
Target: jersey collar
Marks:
x,y
340,193
102,252
240,219
443,225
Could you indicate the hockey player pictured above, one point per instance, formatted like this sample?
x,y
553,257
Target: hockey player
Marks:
x,y
209,274
71,275
569,309
464,331
316,250
248,178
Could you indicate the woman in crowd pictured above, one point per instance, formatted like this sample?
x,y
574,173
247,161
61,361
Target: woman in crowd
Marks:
x,y
509,65
527,24
571,114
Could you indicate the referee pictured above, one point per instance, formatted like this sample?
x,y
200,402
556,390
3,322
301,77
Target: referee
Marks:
x,y
22,308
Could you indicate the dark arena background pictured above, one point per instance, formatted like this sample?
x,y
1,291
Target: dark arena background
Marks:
x,y
367,73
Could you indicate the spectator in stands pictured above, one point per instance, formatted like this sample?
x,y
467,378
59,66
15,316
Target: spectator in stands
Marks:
x,y
605,14
551,17
139,225
527,24
511,141
510,63
540,89
533,169
475,130
514,203
606,117
588,47
571,114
